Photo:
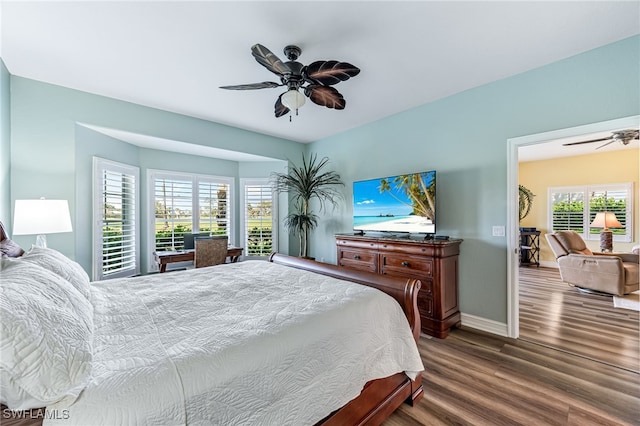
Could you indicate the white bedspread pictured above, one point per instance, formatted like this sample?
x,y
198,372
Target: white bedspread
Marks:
x,y
250,343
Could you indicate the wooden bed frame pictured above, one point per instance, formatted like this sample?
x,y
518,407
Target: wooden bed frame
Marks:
x,y
381,397
378,399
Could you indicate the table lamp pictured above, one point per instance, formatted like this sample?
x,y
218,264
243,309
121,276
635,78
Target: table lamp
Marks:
x,y
606,220
41,217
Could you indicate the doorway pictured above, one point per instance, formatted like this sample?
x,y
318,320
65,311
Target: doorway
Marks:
x,y
513,307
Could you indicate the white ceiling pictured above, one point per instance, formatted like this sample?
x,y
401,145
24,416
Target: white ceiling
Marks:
x,y
175,55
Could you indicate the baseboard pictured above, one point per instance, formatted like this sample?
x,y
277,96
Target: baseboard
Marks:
x,y
484,324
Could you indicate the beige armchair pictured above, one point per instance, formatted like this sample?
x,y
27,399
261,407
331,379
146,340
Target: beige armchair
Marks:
x,y
612,273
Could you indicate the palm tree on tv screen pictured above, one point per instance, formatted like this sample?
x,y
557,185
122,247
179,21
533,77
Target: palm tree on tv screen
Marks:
x,y
421,193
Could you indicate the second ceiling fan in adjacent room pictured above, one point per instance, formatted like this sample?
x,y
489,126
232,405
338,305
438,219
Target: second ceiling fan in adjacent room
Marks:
x,y
623,136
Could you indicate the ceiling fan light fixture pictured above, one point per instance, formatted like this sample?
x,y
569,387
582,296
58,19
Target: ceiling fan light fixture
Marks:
x,y
293,99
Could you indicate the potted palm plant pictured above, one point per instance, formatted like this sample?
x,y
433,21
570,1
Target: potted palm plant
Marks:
x,y
304,183
525,201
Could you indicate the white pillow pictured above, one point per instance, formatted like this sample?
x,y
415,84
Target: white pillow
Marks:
x,y
61,265
46,337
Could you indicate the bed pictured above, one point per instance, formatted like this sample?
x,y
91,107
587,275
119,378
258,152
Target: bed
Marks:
x,y
288,341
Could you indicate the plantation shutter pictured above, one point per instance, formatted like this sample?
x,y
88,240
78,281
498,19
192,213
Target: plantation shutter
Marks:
x,y
575,208
258,218
187,203
213,207
611,199
568,211
116,217
173,203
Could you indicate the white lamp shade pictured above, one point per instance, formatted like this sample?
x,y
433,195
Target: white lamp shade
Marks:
x,y
293,99
606,220
41,217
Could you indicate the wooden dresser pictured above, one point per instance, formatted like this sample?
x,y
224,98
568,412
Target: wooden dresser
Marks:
x,y
434,263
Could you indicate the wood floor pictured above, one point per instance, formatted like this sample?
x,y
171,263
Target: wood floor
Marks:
x,y
476,378
554,314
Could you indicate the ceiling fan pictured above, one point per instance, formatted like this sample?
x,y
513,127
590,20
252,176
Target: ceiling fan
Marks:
x,y
314,79
622,136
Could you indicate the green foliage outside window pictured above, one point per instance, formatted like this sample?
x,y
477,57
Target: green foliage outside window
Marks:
x,y
260,242
568,215
110,252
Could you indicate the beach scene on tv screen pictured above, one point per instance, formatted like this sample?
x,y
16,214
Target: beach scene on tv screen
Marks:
x,y
403,203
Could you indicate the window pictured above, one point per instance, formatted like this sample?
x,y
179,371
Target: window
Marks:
x,y
115,213
574,208
185,203
258,218
173,213
213,206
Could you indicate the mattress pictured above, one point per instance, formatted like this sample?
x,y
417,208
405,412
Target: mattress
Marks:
x,y
245,343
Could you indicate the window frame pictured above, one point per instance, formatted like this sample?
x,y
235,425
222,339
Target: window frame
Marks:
x,y
100,165
195,179
587,192
244,183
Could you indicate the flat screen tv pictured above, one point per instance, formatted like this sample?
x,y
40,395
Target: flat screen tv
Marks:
x,y
398,204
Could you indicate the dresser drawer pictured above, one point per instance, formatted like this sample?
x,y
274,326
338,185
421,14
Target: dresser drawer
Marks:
x,y
367,245
411,249
425,306
362,260
394,264
426,289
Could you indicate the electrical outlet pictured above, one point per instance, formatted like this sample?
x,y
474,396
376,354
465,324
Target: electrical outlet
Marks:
x,y
498,231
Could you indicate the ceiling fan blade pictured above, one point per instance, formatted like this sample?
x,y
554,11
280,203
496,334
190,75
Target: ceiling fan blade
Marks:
x,y
325,96
279,108
252,86
266,58
608,143
331,72
583,142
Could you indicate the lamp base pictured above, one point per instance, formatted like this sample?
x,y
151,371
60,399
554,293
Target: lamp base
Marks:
x,y
606,240
41,241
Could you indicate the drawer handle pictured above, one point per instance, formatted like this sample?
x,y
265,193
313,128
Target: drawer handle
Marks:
x,y
356,256
405,263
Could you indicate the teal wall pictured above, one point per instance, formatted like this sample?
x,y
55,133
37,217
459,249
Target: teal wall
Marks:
x,y
51,152
5,146
464,138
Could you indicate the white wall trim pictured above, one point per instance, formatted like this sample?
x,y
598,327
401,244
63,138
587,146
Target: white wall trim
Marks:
x,y
513,308
484,324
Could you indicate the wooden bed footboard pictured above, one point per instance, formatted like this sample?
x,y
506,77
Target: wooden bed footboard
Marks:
x,y
381,397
